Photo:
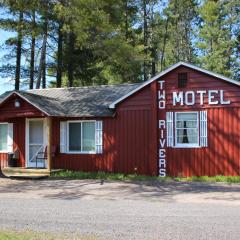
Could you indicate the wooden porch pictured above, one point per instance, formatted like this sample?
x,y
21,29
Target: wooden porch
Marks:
x,y
21,172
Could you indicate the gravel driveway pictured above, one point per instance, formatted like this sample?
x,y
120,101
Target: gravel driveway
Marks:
x,y
122,210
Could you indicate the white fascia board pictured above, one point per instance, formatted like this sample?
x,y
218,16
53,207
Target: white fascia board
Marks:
x,y
113,104
211,73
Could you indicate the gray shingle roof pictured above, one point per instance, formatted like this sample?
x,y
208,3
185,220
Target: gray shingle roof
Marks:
x,y
90,101
4,95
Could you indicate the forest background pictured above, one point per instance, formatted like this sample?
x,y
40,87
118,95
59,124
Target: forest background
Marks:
x,y
59,43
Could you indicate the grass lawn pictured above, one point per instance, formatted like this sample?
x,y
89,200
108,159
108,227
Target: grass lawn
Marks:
x,y
120,176
26,235
30,235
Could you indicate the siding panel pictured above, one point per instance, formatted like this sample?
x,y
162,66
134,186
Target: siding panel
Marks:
x,y
221,155
18,142
125,141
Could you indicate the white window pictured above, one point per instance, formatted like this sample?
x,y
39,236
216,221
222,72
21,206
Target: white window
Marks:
x,y
3,137
81,136
186,129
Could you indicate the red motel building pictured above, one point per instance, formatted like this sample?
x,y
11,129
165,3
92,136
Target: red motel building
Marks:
x,y
182,122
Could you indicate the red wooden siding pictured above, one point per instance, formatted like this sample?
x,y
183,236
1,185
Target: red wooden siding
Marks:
x,y
18,142
8,113
200,81
222,155
125,138
8,110
3,160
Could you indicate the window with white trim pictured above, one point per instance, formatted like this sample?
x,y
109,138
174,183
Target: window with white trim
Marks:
x,y
81,136
3,137
187,129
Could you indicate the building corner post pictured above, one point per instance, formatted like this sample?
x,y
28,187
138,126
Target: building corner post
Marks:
x,y
154,130
49,144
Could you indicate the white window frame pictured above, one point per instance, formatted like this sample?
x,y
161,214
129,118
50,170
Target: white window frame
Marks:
x,y
80,152
5,123
185,145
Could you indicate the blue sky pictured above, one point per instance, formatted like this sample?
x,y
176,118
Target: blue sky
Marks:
x,y
5,84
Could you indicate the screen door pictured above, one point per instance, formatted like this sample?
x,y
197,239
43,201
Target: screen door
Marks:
x,y
35,142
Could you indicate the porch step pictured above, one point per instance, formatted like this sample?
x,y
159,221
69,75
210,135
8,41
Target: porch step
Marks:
x,y
25,172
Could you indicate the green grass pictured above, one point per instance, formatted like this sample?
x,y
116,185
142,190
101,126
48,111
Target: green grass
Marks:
x,y
26,235
123,177
30,235
100,175
219,178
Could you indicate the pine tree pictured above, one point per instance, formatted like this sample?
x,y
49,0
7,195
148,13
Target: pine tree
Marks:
x,y
181,17
217,38
32,57
15,8
231,9
81,42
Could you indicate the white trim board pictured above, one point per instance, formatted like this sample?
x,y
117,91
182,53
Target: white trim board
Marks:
x,y
113,104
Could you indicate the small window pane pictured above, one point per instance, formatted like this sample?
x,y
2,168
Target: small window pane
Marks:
x,y
36,132
187,128
188,124
88,136
186,116
182,80
74,136
187,136
3,137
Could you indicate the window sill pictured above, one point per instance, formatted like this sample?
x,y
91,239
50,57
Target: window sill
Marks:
x,y
4,151
187,146
69,152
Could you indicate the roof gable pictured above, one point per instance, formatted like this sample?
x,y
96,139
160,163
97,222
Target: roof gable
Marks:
x,y
9,95
113,104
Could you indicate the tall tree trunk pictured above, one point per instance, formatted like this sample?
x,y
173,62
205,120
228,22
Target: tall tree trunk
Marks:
x,y
59,56
70,59
153,61
153,44
164,44
42,64
32,61
145,39
19,51
126,19
44,73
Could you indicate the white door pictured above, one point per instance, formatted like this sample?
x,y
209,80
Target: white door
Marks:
x,y
35,142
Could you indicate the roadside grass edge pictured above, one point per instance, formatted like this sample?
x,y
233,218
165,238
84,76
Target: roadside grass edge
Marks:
x,y
135,177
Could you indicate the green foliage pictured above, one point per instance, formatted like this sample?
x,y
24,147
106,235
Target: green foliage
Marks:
x,y
182,16
217,35
108,41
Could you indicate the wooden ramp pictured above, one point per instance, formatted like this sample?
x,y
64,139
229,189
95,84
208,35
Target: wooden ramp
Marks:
x,y
26,172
